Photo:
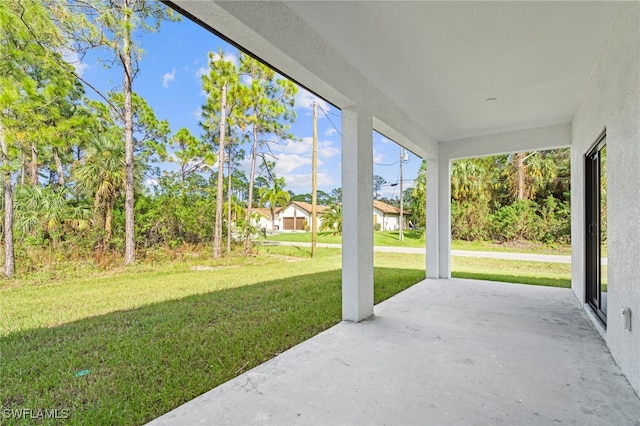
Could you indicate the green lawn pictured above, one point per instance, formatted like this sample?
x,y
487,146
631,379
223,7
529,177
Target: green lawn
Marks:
x,y
153,337
416,239
156,337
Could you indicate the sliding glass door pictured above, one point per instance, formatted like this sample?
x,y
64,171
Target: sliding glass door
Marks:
x,y
596,228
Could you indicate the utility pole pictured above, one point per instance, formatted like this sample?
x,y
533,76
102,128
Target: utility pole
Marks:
x,y
314,181
400,234
229,198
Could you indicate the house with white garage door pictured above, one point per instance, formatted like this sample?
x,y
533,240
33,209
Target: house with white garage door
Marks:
x,y
296,216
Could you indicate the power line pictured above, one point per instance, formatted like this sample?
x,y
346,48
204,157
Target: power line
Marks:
x,y
390,164
326,115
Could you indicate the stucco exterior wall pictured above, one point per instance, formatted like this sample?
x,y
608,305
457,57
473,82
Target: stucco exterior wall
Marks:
x,y
263,222
612,102
293,210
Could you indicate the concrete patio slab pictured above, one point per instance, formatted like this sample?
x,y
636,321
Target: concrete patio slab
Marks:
x,y
444,352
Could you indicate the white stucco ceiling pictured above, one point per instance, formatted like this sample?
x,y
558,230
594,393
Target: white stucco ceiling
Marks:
x,y
441,61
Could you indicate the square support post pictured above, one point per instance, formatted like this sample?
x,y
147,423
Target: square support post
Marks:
x,y
433,224
444,217
357,214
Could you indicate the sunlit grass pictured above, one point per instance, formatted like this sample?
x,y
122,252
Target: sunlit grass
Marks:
x,y
155,336
416,239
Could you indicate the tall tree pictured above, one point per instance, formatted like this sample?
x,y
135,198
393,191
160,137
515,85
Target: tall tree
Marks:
x,y
224,91
378,181
418,200
270,107
527,173
468,181
28,43
192,154
114,25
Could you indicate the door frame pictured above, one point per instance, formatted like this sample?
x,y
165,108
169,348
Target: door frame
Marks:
x,y
593,252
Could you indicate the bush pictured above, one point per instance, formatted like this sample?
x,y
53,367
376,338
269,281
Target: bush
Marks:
x,y
555,218
515,222
469,220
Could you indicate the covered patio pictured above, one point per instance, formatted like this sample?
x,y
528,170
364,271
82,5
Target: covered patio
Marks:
x,y
451,80
444,352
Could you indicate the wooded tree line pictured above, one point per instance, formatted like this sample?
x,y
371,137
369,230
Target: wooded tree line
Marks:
x,y
522,196
82,176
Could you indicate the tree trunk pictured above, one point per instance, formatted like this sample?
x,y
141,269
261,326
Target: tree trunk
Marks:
x,y
23,168
217,233
252,175
108,218
9,257
33,167
129,203
520,175
59,169
273,221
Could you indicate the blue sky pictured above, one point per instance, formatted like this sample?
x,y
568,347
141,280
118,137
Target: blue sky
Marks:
x,y
169,79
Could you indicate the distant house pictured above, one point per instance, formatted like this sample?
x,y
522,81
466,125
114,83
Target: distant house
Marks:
x,y
261,218
296,216
388,216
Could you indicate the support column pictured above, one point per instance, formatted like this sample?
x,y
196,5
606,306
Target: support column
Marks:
x,y
444,218
432,230
357,214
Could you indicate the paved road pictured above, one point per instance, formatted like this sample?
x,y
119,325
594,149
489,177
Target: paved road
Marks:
x,y
551,258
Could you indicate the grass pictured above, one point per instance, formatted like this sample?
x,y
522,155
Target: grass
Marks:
x,y
381,238
155,336
416,239
534,273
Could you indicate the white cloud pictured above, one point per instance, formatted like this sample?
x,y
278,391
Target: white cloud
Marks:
x,y
168,77
151,182
305,100
72,58
228,56
202,71
377,157
326,149
301,183
197,114
287,163
331,131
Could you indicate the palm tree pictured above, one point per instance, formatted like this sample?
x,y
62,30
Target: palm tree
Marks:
x,y
528,173
237,211
467,180
332,219
102,174
274,197
47,211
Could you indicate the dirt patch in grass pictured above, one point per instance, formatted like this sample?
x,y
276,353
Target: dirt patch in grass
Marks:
x,y
212,268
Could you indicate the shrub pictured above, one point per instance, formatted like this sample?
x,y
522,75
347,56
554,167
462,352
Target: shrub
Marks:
x,y
469,220
515,222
